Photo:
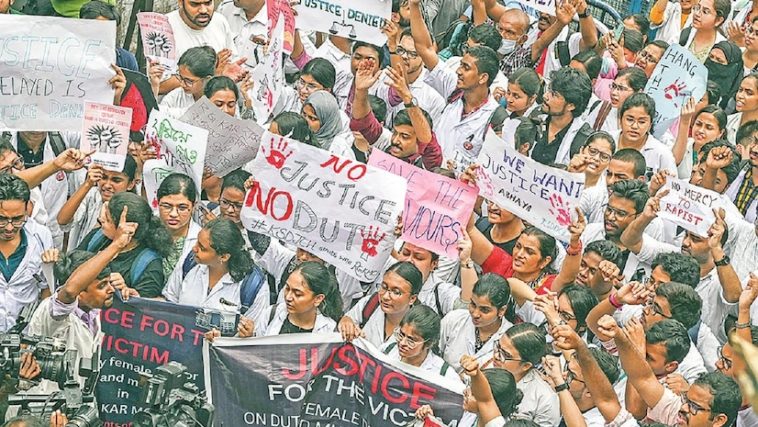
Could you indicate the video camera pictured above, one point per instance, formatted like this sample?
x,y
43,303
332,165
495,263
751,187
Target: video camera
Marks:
x,y
173,399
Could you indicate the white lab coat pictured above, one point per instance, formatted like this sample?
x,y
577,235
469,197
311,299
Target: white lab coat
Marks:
x,y
189,243
448,294
25,284
458,337
374,327
671,27
427,97
431,363
264,328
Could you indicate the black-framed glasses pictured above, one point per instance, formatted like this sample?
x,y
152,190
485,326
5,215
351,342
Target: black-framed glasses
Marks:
x,y
403,52
594,152
619,214
180,209
394,292
17,164
619,88
647,57
409,341
17,222
502,355
726,362
570,375
226,204
651,305
692,407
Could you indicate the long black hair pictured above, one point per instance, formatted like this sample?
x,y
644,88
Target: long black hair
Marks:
x,y
408,272
226,238
178,183
151,232
530,342
322,282
504,390
293,125
498,290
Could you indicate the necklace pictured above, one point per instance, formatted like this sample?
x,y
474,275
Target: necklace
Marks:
x,y
478,344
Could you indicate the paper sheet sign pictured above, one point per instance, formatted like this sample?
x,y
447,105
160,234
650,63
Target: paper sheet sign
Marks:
x,y
689,206
268,77
543,195
106,130
544,6
180,147
49,67
436,207
232,142
678,76
158,39
340,210
277,9
356,20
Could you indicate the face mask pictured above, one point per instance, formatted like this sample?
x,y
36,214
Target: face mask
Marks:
x,y
506,46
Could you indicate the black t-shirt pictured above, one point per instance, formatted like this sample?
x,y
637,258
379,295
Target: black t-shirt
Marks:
x,y
289,328
545,152
483,225
149,284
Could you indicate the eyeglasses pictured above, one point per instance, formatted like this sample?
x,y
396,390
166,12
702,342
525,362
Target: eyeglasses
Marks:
x,y
186,81
629,120
566,316
647,57
726,362
619,88
16,164
570,375
502,355
594,152
409,341
692,407
310,87
650,305
180,209
226,204
619,214
402,52
700,9
17,222
394,292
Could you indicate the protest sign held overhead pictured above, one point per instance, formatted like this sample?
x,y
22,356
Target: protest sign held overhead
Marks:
x,y
678,76
689,206
544,6
268,77
543,195
436,207
180,147
232,142
49,67
318,379
340,210
350,19
158,39
106,131
140,335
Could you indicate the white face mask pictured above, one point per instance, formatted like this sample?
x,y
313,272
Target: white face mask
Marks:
x,y
507,46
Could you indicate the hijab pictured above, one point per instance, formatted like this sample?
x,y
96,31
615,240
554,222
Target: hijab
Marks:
x,y
728,76
328,112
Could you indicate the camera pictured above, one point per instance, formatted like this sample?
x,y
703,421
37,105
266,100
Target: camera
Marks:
x,y
173,399
55,361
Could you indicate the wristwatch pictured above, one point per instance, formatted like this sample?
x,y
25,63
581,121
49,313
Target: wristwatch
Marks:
x,y
584,15
413,103
468,264
723,261
559,388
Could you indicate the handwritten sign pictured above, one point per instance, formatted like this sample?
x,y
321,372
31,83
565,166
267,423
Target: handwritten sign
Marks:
x,y
180,147
277,9
232,142
356,20
543,195
544,6
689,206
49,66
268,77
158,39
678,76
436,207
338,209
106,130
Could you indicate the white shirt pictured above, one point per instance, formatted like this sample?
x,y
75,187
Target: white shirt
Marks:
x,y
540,403
458,337
671,26
217,34
742,247
244,31
264,328
374,326
85,218
500,81
23,287
431,363
434,290
732,126
193,290
657,155
344,75
747,418
596,231
427,97
176,103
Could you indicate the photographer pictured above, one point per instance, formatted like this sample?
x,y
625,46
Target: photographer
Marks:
x,y
73,313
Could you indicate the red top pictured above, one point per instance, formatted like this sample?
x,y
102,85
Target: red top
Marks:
x,y
500,262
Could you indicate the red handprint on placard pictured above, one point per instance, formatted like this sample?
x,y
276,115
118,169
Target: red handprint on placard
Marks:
x,y
152,141
562,212
371,239
278,154
675,91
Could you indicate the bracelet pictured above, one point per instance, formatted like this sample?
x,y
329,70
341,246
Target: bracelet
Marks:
x,y
614,302
574,250
745,325
561,387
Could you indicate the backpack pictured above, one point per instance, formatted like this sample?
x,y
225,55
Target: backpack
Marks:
x,y
145,257
443,369
249,288
369,309
55,138
684,36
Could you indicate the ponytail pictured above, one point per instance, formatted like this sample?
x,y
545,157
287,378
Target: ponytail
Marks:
x,y
151,232
226,239
323,282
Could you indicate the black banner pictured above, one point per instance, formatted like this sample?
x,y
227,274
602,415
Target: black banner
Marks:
x,y
307,380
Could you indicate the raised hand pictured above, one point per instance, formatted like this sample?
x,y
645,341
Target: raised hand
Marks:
x,y
610,272
749,294
607,327
71,160
118,84
366,76
653,205
94,175
125,231
464,246
719,157
397,80
717,230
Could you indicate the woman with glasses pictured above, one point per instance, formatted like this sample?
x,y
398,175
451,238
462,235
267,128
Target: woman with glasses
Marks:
x,y
195,67
707,125
520,351
222,263
376,316
318,74
627,82
707,17
416,342
746,104
176,197
593,158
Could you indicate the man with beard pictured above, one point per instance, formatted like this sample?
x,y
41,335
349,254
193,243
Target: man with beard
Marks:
x,y
625,164
20,252
194,24
564,101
